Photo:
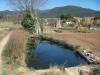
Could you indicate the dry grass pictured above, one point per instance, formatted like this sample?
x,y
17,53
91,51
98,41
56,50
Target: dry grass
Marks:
x,y
2,34
51,71
55,71
5,27
6,24
85,70
14,53
15,49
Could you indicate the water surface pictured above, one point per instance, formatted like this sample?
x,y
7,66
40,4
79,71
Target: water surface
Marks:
x,y
47,54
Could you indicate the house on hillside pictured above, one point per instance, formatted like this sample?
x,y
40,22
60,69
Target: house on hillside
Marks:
x,y
69,22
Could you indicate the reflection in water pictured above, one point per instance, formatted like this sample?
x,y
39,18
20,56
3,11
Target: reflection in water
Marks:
x,y
42,55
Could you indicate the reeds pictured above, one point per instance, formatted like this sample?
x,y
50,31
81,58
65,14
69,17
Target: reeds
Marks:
x,y
15,49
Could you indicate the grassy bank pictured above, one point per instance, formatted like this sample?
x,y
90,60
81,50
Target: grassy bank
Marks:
x,y
14,53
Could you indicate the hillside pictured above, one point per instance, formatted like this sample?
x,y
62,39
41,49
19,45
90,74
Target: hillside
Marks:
x,y
73,10
56,12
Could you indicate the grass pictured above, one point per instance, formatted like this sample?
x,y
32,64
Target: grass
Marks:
x,y
96,70
5,27
68,29
55,71
2,33
6,24
14,52
31,44
58,30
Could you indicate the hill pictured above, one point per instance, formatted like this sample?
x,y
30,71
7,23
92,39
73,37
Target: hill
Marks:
x,y
73,10
58,11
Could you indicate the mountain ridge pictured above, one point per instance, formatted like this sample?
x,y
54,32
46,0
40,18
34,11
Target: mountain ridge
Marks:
x,y
73,10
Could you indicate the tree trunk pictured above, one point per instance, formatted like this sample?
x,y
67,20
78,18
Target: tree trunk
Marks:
x,y
58,25
37,27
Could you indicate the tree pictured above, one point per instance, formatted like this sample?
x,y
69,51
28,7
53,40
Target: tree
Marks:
x,y
65,17
28,23
1,16
29,6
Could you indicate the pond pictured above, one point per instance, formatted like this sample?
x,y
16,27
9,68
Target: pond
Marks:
x,y
48,54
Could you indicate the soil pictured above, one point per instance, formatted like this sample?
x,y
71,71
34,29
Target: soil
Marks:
x,y
85,40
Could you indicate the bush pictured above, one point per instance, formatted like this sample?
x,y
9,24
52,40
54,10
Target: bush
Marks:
x,y
58,30
96,71
28,23
82,29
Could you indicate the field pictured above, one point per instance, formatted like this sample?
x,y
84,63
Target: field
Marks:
x,y
16,47
85,40
5,27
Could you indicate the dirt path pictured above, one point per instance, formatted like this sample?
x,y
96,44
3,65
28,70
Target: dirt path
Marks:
x,y
3,42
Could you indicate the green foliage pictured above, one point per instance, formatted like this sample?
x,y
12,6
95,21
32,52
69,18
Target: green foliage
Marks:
x,y
31,59
96,18
97,71
58,30
1,16
65,16
28,23
30,52
68,29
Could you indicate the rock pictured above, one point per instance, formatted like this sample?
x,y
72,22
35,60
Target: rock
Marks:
x,y
85,73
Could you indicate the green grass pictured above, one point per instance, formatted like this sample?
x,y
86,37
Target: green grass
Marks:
x,y
68,29
96,70
58,30
9,69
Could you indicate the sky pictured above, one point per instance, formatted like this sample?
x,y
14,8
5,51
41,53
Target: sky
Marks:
x,y
91,4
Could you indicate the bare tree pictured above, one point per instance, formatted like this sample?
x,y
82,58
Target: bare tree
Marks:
x,y
30,6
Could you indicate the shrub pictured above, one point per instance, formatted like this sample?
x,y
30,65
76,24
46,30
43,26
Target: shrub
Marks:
x,y
82,29
30,53
96,71
28,23
58,30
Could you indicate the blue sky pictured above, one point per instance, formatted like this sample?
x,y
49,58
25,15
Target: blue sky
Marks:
x,y
92,4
